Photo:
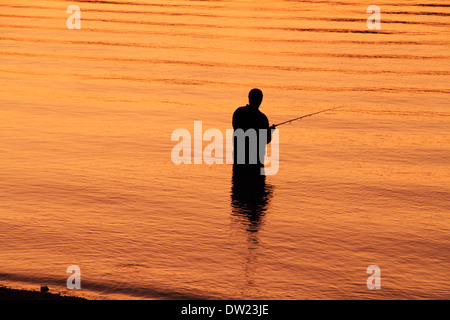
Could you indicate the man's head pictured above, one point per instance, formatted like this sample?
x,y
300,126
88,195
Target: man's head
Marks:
x,y
255,97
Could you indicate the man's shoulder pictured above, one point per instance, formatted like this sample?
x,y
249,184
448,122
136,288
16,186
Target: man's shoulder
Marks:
x,y
263,116
241,110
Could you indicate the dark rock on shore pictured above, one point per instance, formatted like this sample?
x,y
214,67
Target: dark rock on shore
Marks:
x,y
16,294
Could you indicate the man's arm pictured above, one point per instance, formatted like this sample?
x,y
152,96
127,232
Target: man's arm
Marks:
x,y
269,129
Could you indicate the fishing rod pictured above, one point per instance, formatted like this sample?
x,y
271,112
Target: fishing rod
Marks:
x,y
308,115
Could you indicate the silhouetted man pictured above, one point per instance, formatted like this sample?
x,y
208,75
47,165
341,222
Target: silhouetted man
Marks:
x,y
250,142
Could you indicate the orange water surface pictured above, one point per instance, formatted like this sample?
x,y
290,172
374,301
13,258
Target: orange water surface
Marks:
x,y
87,177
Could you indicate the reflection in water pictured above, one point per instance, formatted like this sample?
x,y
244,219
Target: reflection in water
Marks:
x,y
250,196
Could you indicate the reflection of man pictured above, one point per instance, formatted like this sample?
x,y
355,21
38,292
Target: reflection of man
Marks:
x,y
250,199
250,195
249,147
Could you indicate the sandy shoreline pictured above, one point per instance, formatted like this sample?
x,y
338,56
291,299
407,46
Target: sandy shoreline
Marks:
x,y
19,294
